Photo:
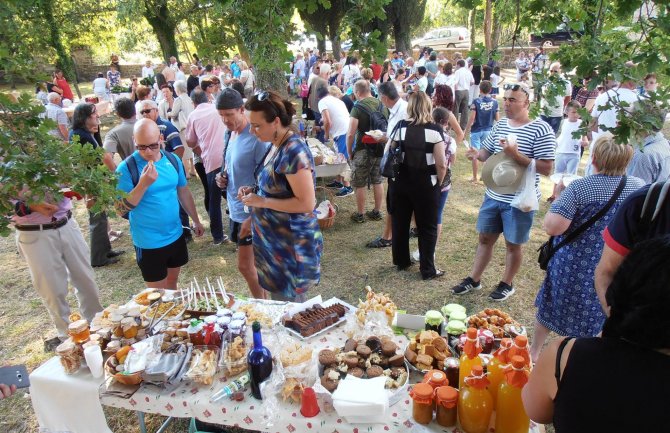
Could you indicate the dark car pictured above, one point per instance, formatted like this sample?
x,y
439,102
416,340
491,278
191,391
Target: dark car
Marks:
x,y
562,35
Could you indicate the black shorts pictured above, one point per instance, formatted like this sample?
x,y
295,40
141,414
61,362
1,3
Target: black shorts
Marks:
x,y
235,235
155,262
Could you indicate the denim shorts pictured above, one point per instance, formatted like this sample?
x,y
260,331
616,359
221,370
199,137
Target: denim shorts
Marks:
x,y
567,163
477,138
497,217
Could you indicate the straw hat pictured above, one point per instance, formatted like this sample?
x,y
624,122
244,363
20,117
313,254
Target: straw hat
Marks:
x,y
502,174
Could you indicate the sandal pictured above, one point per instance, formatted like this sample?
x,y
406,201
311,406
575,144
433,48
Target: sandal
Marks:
x,y
379,243
358,217
438,273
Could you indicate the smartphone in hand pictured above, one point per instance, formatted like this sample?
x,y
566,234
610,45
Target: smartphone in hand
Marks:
x,y
15,375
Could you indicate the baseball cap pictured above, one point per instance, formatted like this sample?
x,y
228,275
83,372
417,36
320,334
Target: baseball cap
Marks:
x,y
229,99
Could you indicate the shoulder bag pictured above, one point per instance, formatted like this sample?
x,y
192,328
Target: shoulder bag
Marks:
x,y
391,160
547,250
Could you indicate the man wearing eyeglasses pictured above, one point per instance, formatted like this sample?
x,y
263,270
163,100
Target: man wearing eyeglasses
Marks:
x,y
534,140
153,206
557,92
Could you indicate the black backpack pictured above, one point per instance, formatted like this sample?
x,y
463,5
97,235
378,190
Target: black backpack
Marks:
x,y
377,118
135,173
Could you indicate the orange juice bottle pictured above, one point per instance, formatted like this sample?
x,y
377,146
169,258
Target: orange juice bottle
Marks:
x,y
510,415
495,368
475,404
520,347
470,356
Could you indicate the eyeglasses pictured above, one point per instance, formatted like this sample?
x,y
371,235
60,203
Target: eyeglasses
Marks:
x,y
516,87
143,147
264,96
143,112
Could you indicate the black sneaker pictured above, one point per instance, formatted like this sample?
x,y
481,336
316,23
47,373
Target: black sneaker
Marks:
x,y
502,292
465,286
374,215
335,185
51,344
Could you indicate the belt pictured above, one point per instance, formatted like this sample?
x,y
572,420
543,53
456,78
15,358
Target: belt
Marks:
x,y
37,227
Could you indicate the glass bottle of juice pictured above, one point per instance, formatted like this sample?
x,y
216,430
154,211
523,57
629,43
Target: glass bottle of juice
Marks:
x,y
495,369
470,356
510,415
520,347
475,405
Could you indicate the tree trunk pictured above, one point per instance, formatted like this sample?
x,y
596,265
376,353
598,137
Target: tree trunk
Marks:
x,y
497,29
64,60
487,25
337,45
473,27
158,16
402,39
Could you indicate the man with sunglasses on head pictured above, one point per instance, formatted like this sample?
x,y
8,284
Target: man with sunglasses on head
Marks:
x,y
535,140
153,203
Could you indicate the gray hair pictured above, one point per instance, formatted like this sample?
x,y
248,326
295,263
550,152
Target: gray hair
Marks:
x,y
53,97
389,90
147,103
180,86
198,96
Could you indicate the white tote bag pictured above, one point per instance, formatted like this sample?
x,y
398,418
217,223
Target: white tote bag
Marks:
x,y
526,198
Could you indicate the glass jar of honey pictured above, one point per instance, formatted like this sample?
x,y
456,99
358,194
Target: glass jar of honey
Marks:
x,y
446,413
129,326
79,331
117,330
70,357
422,409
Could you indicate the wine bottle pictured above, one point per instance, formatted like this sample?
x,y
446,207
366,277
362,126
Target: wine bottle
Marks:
x,y
259,361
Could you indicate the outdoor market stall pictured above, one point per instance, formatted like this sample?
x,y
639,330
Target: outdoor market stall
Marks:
x,y
102,108
324,346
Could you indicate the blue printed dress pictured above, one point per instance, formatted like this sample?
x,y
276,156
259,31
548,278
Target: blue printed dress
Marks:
x,y
287,246
567,303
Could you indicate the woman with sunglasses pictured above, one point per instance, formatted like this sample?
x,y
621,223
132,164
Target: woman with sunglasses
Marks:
x,y
286,236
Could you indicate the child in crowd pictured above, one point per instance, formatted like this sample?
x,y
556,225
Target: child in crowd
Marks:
x,y
483,113
496,80
568,148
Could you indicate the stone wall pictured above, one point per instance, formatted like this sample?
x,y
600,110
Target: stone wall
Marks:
x,y
508,55
87,70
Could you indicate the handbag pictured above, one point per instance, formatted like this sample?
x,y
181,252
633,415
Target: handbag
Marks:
x,y
547,250
391,160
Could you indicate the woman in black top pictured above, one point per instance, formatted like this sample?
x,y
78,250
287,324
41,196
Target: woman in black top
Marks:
x,y
387,72
416,189
619,382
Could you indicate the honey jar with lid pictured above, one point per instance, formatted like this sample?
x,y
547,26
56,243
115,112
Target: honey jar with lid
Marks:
x,y
129,326
79,331
70,356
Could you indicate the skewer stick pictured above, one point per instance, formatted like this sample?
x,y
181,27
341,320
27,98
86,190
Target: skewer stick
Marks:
x,y
204,292
222,289
212,293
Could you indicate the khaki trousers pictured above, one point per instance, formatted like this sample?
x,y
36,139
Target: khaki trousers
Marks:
x,y
54,257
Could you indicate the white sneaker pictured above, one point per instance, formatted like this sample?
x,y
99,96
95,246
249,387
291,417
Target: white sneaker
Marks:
x,y
417,257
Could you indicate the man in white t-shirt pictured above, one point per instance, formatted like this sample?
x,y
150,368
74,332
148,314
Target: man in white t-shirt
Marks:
x,y
147,69
607,117
422,80
552,109
180,74
463,80
335,119
299,68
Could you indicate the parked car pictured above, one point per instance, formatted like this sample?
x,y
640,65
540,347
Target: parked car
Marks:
x,y
444,37
562,35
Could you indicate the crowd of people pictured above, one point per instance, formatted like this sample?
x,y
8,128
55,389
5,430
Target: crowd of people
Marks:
x,y
248,146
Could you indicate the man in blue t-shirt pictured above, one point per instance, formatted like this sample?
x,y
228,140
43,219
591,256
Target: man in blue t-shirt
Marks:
x,y
153,206
243,157
235,68
483,112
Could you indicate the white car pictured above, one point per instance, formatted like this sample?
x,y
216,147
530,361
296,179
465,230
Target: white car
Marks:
x,y
445,37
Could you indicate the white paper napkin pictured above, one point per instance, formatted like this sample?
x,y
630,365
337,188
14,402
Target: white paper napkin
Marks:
x,y
362,400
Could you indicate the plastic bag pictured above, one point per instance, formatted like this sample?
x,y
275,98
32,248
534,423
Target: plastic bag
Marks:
x,y
526,199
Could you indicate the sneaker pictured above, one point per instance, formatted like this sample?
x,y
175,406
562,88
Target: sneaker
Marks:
x,y
374,215
358,217
223,240
345,191
416,256
379,243
502,292
335,185
51,344
465,286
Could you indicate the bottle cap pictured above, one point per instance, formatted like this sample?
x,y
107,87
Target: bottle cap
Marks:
x,y
472,333
521,340
518,361
256,326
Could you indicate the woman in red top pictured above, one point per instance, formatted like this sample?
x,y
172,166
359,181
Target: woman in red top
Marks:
x,y
60,81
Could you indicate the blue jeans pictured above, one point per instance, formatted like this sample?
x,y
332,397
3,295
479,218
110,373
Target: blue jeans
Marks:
x,y
554,122
497,217
215,220
477,138
440,207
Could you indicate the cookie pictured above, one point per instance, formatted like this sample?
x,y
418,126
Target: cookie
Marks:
x,y
374,343
351,360
363,351
389,348
350,345
327,357
374,371
357,372
329,384
397,360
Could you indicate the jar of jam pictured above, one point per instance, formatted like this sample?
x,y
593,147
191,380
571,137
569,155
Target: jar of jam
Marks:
x,y
486,339
446,398
422,409
129,326
70,357
435,378
79,331
434,321
451,369
117,330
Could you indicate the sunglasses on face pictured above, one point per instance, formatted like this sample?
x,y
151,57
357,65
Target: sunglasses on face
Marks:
x,y
143,147
143,112
516,87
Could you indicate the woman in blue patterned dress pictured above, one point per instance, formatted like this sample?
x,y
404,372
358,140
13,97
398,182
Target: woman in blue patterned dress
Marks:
x,y
286,236
567,303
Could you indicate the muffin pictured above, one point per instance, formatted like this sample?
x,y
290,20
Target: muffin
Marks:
x,y
363,351
327,357
374,343
357,372
329,384
374,371
389,348
351,360
398,361
350,345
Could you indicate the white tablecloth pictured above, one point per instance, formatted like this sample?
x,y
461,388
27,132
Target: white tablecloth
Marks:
x,y
66,403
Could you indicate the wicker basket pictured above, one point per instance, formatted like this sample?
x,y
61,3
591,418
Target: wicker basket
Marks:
x,y
326,194
326,223
125,379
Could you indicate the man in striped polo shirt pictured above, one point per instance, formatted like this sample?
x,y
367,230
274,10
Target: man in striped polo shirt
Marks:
x,y
535,140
